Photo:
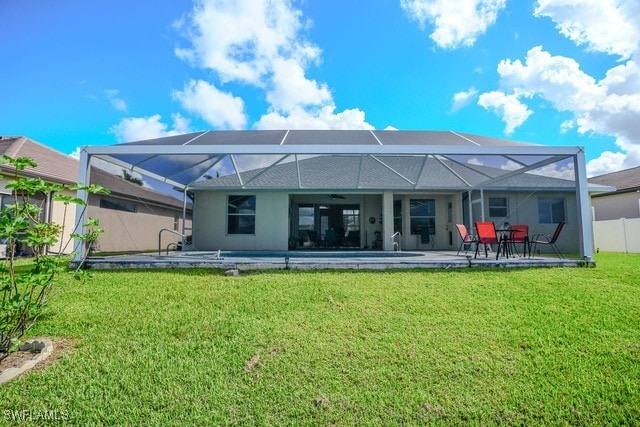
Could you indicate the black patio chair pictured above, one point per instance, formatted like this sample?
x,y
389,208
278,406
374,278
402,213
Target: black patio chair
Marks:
x,y
313,238
544,239
426,237
353,239
331,238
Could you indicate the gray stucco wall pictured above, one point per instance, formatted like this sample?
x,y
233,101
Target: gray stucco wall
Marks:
x,y
272,219
210,223
523,209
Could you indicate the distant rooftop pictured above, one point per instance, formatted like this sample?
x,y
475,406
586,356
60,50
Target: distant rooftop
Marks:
x,y
54,166
624,180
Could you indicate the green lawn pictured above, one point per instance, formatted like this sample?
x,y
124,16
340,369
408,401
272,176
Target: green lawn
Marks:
x,y
507,346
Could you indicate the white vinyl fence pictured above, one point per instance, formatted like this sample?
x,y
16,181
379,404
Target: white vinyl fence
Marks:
x,y
618,235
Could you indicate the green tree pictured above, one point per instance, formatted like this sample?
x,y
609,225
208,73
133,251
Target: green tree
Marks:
x,y
128,176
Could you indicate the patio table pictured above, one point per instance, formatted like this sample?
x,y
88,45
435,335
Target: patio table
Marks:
x,y
505,239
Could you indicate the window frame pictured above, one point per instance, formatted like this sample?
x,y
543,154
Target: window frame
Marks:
x,y
551,214
117,205
397,216
430,219
351,218
504,208
240,215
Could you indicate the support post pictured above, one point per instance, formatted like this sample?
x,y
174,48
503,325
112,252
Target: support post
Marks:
x,y
184,217
79,248
585,231
387,220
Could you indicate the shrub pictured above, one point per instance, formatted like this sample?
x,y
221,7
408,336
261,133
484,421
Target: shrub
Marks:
x,y
25,290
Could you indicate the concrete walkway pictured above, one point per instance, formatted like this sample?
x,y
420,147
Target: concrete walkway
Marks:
x,y
300,260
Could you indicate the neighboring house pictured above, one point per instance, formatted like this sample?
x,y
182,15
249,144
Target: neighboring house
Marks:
x,y
622,203
266,188
131,215
52,166
616,214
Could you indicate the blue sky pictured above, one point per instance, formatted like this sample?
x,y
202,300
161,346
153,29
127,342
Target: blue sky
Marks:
x,y
556,72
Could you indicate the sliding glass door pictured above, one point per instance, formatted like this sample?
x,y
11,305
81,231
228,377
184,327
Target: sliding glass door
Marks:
x,y
315,221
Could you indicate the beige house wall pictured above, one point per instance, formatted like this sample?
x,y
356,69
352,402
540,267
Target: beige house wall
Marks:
x,y
135,231
57,214
272,219
66,217
616,206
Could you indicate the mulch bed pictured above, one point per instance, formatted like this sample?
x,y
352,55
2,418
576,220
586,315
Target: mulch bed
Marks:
x,y
61,346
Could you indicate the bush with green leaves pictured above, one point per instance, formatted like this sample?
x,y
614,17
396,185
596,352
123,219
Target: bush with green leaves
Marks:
x,y
26,289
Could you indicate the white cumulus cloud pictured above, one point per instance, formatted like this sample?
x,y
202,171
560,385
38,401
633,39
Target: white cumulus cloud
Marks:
x,y
509,107
140,128
607,162
116,102
610,106
259,43
456,23
322,118
462,99
555,170
567,125
219,109
240,39
609,26
290,87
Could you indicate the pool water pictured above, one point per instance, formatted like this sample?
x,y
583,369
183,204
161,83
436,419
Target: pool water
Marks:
x,y
303,254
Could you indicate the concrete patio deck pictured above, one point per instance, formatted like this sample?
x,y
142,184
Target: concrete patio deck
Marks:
x,y
314,260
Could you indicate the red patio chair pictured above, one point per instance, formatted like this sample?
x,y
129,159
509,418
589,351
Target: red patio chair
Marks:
x,y
486,236
519,234
544,239
467,239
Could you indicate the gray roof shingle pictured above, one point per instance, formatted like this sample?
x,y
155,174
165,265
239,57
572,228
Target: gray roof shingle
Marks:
x,y
378,173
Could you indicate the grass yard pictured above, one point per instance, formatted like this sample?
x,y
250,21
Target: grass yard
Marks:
x,y
531,347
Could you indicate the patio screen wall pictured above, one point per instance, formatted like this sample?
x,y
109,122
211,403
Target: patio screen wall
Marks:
x,y
278,163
